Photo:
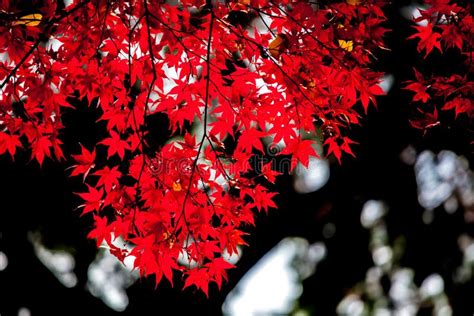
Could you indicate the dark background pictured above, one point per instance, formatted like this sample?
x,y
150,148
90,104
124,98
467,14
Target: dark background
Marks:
x,y
42,199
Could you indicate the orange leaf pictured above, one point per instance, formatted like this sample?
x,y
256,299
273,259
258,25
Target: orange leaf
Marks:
x,y
277,46
29,20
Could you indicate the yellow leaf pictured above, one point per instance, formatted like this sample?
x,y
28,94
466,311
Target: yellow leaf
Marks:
x,y
346,45
29,20
311,84
239,46
176,187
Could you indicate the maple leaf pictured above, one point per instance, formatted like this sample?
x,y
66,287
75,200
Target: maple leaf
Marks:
x,y
199,277
346,146
221,127
369,94
336,149
177,187
301,151
116,145
10,143
93,199
29,20
278,45
262,198
428,38
230,238
85,162
269,173
452,36
58,152
426,121
346,45
101,231
217,270
108,177
145,257
420,91
209,248
460,105
41,148
115,117
202,65
167,264
250,139
418,87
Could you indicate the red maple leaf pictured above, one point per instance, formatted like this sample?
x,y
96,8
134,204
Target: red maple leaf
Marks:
x,y
10,143
149,84
269,173
116,145
336,148
262,198
452,36
93,199
419,87
218,270
108,177
250,139
85,162
460,105
426,121
199,277
101,231
428,38
301,152
41,147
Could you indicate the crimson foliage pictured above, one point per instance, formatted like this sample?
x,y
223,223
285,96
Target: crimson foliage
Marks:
x,y
230,76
